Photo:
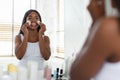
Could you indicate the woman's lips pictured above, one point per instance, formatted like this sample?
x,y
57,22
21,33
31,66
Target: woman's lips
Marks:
x,y
33,24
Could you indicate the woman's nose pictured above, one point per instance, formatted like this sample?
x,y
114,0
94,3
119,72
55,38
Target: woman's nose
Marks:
x,y
33,20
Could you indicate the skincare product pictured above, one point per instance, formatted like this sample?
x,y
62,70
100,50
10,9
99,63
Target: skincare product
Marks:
x,y
12,70
22,73
33,70
61,74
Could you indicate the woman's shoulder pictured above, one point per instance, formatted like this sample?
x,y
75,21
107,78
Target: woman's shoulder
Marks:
x,y
108,31
18,37
109,21
108,25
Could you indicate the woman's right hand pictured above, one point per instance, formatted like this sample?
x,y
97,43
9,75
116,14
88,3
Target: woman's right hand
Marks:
x,y
25,29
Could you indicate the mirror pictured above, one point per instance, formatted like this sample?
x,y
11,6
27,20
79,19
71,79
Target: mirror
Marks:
x,y
10,21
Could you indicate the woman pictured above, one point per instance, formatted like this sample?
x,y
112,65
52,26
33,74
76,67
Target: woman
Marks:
x,y
31,43
100,57
97,10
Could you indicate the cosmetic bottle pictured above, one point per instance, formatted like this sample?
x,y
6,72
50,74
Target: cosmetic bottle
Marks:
x,y
22,73
61,74
12,71
57,74
33,70
6,77
47,72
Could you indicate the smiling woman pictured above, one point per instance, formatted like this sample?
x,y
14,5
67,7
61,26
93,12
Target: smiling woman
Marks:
x,y
31,44
11,17
52,12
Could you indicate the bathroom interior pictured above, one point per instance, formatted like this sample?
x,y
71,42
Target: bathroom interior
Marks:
x,y
65,20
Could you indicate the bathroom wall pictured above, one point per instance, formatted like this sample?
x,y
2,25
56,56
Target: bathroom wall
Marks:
x,y
77,23
49,14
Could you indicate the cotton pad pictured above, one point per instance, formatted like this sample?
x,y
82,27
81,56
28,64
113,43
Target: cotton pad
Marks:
x,y
29,23
38,22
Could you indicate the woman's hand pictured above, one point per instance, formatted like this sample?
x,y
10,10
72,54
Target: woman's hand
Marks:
x,y
42,28
25,29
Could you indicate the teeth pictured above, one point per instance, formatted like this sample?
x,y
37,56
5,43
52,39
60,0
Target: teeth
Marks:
x,y
38,22
28,22
33,24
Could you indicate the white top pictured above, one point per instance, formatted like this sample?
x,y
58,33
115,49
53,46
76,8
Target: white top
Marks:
x,y
32,53
109,71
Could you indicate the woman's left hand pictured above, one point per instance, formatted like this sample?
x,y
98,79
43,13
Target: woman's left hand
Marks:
x,y
42,28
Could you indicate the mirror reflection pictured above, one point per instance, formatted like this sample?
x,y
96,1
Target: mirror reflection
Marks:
x,y
12,24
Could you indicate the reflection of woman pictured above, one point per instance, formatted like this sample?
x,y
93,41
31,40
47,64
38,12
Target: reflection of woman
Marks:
x,y
31,43
101,54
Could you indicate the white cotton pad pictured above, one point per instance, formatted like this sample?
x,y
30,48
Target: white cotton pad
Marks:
x,y
28,22
38,22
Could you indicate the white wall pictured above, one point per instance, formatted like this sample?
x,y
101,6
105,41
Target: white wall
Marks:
x,y
49,14
77,23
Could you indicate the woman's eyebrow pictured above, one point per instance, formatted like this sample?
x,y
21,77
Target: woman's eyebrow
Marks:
x,y
29,16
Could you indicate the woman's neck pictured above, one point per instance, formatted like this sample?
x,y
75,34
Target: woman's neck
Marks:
x,y
33,32
33,36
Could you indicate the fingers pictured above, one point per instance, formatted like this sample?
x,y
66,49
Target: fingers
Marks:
x,y
27,24
42,25
24,28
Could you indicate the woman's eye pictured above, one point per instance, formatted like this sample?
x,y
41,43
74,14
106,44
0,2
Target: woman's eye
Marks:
x,y
30,18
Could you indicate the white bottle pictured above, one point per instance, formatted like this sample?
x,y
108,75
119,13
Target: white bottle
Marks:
x,y
6,77
33,70
12,70
22,73
47,71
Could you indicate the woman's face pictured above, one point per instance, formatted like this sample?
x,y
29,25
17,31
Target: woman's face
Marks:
x,y
33,19
96,9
